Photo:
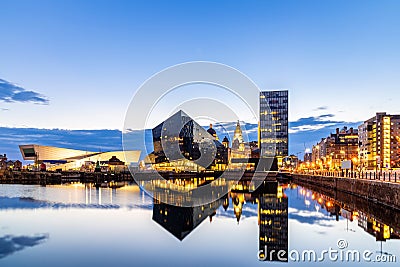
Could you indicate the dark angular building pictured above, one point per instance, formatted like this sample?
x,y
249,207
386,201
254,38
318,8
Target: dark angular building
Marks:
x,y
181,221
181,144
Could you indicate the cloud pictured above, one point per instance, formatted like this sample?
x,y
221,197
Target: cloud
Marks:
x,y
11,93
306,132
321,108
10,244
313,123
29,203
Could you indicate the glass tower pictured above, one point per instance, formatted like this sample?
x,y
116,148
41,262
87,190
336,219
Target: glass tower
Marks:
x,y
274,135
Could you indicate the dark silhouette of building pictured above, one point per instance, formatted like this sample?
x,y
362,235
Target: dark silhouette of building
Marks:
x,y
181,221
3,161
181,144
308,157
225,142
212,132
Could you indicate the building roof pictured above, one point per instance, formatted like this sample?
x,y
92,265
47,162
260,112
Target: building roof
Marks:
x,y
51,154
212,131
238,135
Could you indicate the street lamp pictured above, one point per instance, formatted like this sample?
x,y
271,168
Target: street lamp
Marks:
x,y
355,161
378,162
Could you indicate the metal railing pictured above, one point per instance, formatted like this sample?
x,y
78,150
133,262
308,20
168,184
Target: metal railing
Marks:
x,y
384,176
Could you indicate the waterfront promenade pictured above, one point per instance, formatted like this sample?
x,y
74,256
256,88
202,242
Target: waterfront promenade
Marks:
x,y
383,188
392,176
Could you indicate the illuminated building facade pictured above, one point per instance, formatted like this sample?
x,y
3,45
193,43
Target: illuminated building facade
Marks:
x,y
240,152
332,150
181,144
379,142
274,125
57,158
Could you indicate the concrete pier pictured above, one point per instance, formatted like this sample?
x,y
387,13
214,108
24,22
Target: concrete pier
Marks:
x,y
43,178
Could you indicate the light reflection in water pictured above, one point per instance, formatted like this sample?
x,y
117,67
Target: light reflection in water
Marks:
x,y
309,213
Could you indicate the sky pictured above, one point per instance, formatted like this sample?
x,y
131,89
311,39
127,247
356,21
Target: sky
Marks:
x,y
77,64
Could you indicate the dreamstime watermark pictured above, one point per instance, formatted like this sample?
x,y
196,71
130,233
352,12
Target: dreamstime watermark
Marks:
x,y
340,253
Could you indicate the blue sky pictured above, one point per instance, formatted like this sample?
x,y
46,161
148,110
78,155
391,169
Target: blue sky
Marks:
x,y
78,63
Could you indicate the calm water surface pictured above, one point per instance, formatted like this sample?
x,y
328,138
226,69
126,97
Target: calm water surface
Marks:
x,y
78,225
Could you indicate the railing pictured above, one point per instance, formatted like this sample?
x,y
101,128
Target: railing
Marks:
x,y
384,176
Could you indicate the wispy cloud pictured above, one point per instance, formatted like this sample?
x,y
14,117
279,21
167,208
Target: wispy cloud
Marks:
x,y
11,93
321,108
10,244
306,132
313,123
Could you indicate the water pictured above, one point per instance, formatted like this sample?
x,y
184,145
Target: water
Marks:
x,y
78,225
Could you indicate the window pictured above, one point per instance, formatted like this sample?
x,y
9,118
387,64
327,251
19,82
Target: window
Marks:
x,y
29,152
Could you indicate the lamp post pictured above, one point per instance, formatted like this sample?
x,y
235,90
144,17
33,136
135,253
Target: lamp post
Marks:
x,y
355,163
378,163
332,155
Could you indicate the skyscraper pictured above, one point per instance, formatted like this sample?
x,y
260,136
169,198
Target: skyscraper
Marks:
x,y
274,125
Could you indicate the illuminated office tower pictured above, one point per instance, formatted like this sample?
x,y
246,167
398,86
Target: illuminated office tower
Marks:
x,y
274,135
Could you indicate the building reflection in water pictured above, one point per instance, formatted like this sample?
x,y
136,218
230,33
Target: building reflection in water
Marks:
x,y
180,221
382,223
269,202
272,215
272,210
273,223
380,230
